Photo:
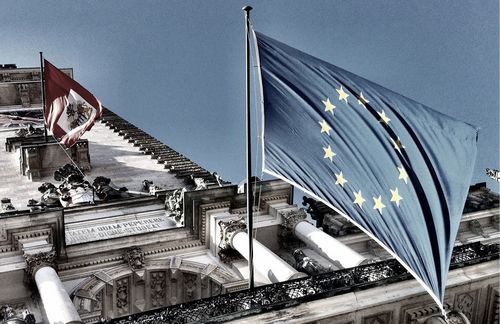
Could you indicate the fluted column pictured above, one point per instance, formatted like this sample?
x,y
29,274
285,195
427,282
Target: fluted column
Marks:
x,y
57,305
319,241
265,261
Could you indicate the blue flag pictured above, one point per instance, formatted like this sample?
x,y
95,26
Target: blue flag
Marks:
x,y
396,168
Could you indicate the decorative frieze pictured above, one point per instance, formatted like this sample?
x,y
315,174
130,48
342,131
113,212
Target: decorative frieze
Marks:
x,y
419,314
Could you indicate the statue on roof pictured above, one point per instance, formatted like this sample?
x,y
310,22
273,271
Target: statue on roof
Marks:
x,y
29,131
6,205
74,189
174,205
150,187
107,190
50,195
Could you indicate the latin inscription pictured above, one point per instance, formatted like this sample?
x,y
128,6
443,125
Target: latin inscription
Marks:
x,y
117,229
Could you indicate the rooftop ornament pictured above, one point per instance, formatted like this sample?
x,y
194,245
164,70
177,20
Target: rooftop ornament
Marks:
x,y
75,190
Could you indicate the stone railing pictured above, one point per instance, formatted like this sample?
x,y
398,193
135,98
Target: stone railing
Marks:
x,y
291,293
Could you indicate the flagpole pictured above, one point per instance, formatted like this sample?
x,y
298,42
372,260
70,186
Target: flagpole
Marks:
x,y
247,10
42,85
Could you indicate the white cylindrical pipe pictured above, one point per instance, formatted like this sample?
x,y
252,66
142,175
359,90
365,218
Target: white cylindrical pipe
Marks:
x,y
56,302
265,261
327,246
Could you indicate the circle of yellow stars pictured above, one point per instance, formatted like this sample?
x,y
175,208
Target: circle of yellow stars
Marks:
x,y
340,179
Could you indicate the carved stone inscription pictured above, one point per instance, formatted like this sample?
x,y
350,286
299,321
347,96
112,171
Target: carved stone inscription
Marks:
x,y
89,233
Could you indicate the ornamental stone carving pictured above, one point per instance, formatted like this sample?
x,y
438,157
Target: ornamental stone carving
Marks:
x,y
135,258
190,286
106,190
16,314
381,318
174,205
29,131
228,229
306,264
290,218
38,260
149,187
6,205
158,288
454,317
122,296
466,303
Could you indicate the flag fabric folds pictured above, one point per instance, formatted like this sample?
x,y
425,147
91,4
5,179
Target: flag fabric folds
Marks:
x,y
71,110
396,168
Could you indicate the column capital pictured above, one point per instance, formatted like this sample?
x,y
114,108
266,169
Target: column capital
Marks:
x,y
35,261
228,229
291,217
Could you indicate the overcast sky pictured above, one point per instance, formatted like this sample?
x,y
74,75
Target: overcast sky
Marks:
x,y
176,68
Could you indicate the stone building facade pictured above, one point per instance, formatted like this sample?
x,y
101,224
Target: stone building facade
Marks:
x,y
146,235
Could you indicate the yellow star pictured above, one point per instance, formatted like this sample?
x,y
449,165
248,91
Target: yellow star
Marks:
x,y
362,100
329,154
378,204
359,199
329,107
342,94
403,175
340,179
325,128
397,144
395,196
383,117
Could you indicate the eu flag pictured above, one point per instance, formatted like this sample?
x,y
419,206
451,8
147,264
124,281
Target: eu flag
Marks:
x,y
396,168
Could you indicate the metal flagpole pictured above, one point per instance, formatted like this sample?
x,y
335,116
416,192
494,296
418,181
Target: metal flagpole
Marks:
x,y
247,10
42,80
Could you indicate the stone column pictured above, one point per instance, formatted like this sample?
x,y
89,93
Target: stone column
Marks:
x,y
233,235
58,306
319,241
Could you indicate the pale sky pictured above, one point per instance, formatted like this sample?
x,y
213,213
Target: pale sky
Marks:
x,y
176,68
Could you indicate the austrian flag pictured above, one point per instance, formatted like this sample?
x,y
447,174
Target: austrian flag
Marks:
x,y
71,110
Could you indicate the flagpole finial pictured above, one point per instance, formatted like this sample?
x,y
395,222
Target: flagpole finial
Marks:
x,y
246,8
